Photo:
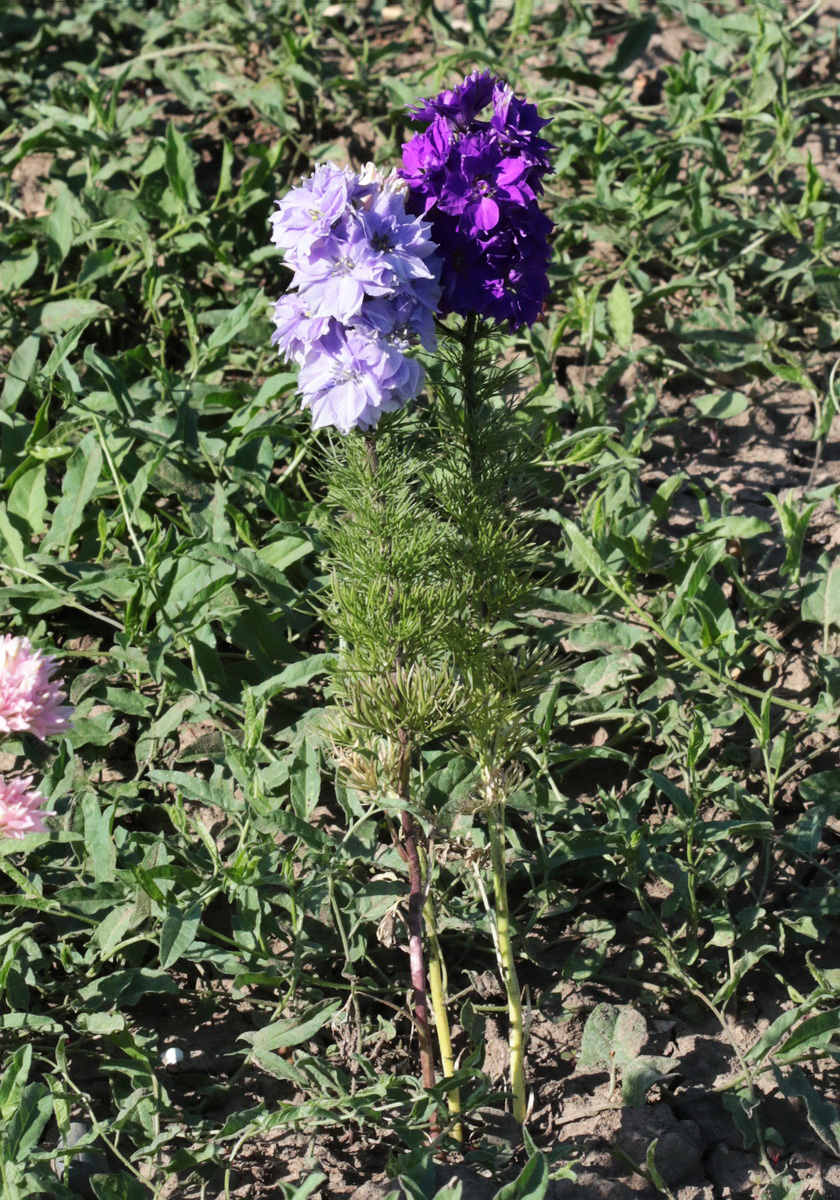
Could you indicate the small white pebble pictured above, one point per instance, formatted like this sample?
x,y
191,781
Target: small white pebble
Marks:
x,y
172,1056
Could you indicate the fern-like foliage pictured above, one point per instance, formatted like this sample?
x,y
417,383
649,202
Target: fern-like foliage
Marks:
x,y
432,562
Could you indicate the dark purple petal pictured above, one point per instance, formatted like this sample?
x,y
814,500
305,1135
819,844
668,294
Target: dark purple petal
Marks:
x,y
462,104
487,214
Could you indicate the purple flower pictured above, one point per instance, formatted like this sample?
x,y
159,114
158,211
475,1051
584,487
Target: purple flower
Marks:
x,y
462,104
425,159
308,213
349,381
366,275
344,270
297,326
401,242
517,123
477,183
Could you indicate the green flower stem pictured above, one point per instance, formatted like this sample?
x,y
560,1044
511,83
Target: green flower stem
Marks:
x,y
437,990
469,335
495,806
516,1034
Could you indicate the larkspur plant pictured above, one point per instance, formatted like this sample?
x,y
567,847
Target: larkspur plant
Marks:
x,y
366,286
425,562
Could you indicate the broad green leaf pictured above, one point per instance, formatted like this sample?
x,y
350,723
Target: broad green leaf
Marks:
x,y
99,841
791,372
28,499
60,315
129,986
634,43
118,1187
308,1186
281,554
19,371
286,822
585,551
821,786
111,375
523,12
297,674
179,167
650,1162
293,1031
17,269
821,597
33,1022
816,1031
60,227
721,405
822,1115
639,1076
803,837
12,549
770,1040
734,527
305,780
531,1183
65,346
597,1040
620,312
115,928
235,321
744,964
587,958
629,1034
27,1123
177,933
14,1079
278,1067
102,1023
80,482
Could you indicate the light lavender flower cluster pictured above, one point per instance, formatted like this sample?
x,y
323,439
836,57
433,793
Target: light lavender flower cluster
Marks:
x,y
366,287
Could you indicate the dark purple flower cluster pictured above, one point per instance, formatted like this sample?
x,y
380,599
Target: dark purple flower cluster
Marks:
x,y
477,183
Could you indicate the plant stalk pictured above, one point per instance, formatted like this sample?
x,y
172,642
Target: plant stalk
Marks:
x,y
469,392
495,806
437,990
416,900
516,1034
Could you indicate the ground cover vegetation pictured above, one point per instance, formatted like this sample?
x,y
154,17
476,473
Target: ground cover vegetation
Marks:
x,y
205,984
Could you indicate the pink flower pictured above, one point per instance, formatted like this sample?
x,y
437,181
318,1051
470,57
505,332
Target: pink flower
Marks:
x,y
21,808
29,699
